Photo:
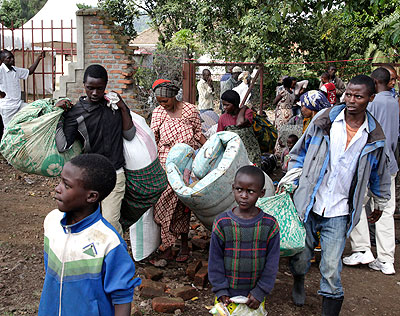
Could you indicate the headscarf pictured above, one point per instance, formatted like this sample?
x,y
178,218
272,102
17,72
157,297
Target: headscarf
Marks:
x,y
232,97
164,88
314,100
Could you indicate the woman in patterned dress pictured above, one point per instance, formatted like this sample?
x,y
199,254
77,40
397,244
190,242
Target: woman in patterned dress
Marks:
x,y
284,102
173,122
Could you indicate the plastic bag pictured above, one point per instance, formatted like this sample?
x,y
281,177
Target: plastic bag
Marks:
x,y
292,232
238,308
244,310
29,143
145,236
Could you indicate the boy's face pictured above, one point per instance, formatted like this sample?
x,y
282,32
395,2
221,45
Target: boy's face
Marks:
x,y
357,98
95,89
290,143
247,191
71,196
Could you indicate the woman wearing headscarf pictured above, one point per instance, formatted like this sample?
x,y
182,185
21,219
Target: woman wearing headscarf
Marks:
x,y
173,122
240,122
311,103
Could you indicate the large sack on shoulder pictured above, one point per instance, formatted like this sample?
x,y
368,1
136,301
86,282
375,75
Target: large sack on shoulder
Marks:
x,y
145,177
29,143
214,168
292,231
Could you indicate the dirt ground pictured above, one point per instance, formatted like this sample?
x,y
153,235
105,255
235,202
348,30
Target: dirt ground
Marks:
x,y
26,199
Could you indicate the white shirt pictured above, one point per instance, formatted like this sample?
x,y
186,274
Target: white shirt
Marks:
x,y
331,199
242,90
9,83
206,95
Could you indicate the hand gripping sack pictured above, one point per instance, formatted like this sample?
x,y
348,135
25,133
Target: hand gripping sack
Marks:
x,y
145,236
292,232
29,143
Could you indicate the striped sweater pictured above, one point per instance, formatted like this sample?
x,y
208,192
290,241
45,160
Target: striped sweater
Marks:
x,y
88,268
244,255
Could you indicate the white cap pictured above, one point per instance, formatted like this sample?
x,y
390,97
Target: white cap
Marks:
x,y
237,69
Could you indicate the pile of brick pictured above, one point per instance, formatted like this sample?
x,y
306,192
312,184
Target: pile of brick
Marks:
x,y
166,300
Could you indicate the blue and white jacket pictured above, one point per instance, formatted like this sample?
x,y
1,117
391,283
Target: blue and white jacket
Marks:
x,y
311,154
88,267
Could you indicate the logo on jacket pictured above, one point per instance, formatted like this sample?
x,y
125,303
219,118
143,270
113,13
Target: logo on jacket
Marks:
x,y
90,250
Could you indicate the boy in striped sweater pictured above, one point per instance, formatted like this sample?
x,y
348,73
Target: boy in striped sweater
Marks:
x,y
244,249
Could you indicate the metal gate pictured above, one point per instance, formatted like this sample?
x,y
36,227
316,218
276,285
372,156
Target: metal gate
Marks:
x,y
57,39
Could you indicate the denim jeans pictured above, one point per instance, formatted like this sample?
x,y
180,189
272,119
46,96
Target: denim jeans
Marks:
x,y
333,239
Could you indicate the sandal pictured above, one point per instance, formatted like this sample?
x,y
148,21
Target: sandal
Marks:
x,y
182,257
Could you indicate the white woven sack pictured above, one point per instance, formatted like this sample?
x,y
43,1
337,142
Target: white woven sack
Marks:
x,y
141,151
145,236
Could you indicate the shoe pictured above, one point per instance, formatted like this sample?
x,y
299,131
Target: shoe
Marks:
x,y
384,267
331,306
359,258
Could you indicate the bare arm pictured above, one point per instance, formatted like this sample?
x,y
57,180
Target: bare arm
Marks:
x,y
241,120
33,67
277,99
122,309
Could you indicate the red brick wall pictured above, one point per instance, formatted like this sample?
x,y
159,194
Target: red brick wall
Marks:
x,y
104,44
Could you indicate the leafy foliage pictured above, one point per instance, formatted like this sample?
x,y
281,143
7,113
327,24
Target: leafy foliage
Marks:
x,y
19,11
83,6
187,42
124,12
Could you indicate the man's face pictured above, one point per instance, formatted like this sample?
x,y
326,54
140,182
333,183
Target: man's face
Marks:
x,y
95,89
206,75
9,60
324,79
357,98
332,72
393,78
236,75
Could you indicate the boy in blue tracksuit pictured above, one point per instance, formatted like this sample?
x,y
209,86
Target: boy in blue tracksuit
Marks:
x,y
339,155
88,269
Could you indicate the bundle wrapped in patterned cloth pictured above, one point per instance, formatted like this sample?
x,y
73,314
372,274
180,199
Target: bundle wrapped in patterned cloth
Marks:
x,y
29,143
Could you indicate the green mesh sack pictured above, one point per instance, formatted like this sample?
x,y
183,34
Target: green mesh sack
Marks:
x,y
292,232
29,143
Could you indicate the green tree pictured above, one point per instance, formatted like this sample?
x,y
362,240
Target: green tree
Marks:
x,y
186,41
124,12
16,12
10,13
